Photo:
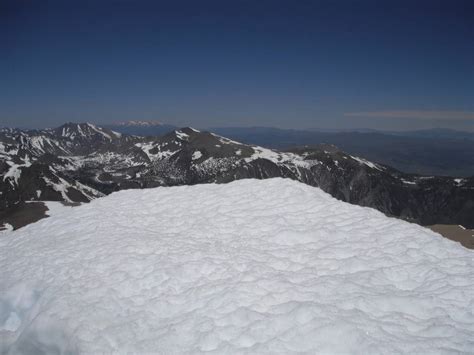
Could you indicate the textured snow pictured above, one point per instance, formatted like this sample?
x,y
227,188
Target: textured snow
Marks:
x,y
271,266
55,207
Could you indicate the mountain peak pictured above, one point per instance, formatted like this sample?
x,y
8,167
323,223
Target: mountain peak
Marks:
x,y
85,130
140,128
189,130
185,133
139,123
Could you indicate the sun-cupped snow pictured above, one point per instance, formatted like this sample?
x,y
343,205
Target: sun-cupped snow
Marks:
x,y
253,266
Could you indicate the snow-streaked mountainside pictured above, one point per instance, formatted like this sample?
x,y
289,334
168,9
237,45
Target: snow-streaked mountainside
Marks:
x,y
253,266
80,162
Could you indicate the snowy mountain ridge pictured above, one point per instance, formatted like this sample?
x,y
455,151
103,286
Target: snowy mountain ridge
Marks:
x,y
140,123
253,266
80,162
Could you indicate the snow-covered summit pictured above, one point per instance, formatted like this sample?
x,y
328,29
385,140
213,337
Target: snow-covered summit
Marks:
x,y
139,123
85,131
271,266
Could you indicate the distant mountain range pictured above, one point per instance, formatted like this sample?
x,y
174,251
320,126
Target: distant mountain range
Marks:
x,y
440,151
422,133
429,152
140,128
80,162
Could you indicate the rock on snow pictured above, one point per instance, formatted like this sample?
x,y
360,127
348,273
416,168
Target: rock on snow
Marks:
x,y
250,266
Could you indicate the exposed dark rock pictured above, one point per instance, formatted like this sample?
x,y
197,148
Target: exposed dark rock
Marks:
x,y
79,162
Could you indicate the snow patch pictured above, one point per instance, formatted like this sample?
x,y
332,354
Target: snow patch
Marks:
x,y
99,130
57,208
225,140
61,187
281,158
271,266
7,227
368,163
160,154
181,135
196,155
14,172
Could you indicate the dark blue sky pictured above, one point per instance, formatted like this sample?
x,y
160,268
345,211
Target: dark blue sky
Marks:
x,y
330,64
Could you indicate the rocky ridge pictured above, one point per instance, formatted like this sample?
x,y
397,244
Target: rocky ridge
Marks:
x,y
81,162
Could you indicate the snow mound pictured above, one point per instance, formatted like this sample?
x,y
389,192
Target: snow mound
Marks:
x,y
270,266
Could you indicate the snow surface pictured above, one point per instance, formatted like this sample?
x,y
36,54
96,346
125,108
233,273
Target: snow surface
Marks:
x,y
408,182
366,162
281,158
55,207
98,130
196,155
181,135
4,228
271,266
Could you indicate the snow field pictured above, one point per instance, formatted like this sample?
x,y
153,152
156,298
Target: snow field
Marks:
x,y
249,267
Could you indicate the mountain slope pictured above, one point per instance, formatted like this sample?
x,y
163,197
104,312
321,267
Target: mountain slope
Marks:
x,y
271,266
79,162
410,152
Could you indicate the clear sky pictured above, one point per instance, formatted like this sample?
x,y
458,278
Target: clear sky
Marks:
x,y
295,64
